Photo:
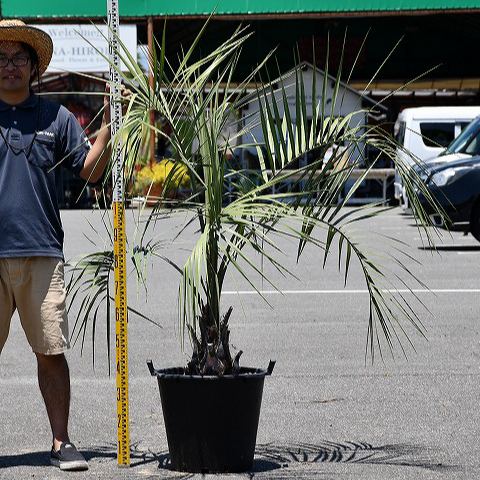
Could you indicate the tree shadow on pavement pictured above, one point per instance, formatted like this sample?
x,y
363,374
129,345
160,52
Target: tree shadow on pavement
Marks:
x,y
288,455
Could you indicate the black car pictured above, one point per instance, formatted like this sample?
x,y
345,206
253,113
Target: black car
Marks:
x,y
456,186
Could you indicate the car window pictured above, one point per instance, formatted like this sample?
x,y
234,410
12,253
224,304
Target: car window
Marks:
x,y
468,141
473,145
437,134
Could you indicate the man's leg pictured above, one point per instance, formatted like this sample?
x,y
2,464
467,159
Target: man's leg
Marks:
x,y
40,299
54,382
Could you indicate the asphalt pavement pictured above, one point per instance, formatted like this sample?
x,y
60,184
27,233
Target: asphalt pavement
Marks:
x,y
326,413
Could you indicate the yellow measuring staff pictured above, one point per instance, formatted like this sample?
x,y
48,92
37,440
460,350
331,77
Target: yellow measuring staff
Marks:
x,y
121,337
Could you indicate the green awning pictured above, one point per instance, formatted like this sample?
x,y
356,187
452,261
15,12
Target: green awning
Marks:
x,y
142,8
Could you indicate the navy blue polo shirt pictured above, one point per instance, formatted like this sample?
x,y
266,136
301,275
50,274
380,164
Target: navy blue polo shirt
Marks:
x,y
38,138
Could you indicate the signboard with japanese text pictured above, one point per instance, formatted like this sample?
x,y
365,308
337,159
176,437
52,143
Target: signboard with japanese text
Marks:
x,y
79,48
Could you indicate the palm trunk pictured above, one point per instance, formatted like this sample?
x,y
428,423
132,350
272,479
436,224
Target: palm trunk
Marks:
x,y
212,279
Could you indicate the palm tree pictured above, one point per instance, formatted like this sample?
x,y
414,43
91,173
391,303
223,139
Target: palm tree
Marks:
x,y
241,211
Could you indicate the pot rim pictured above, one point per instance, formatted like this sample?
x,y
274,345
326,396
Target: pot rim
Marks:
x,y
179,373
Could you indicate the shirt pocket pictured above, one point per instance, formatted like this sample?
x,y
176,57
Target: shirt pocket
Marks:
x,y
42,153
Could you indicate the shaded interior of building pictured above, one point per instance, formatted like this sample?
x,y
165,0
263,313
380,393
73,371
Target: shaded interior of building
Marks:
x,y
403,60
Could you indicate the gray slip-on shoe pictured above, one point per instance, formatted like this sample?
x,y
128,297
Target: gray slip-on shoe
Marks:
x,y
68,458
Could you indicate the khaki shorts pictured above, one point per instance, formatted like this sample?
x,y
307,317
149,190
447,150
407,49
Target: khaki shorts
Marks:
x,y
35,286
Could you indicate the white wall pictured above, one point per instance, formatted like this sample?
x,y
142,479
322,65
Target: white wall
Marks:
x,y
347,101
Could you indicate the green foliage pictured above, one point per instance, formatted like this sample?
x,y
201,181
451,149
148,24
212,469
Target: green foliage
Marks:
x,y
241,211
158,173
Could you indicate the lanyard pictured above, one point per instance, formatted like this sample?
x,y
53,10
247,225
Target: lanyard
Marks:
x,y
19,150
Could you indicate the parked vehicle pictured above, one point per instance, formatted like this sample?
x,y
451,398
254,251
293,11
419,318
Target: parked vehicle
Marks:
x,y
456,187
465,146
423,133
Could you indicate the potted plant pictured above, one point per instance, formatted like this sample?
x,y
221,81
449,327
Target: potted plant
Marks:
x,y
150,179
239,212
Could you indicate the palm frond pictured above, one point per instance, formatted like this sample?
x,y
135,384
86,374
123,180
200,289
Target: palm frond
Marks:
x,y
240,211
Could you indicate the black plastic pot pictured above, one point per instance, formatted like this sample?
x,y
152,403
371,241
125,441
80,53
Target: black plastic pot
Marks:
x,y
211,422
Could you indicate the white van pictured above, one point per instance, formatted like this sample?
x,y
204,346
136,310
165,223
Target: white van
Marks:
x,y
425,132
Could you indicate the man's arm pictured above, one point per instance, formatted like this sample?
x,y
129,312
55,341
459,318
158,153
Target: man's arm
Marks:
x,y
99,154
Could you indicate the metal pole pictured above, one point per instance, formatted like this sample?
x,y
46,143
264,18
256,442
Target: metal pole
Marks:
x,y
150,79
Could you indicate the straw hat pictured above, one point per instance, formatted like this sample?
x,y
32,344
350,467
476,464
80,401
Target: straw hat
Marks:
x,y
16,31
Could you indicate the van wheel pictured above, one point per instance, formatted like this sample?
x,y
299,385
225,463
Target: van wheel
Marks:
x,y
475,221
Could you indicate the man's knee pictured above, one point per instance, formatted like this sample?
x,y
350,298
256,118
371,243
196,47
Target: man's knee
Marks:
x,y
51,361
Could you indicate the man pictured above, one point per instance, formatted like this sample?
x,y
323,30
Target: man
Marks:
x,y
37,135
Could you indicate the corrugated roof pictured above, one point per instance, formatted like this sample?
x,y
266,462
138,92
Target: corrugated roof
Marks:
x,y
239,8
